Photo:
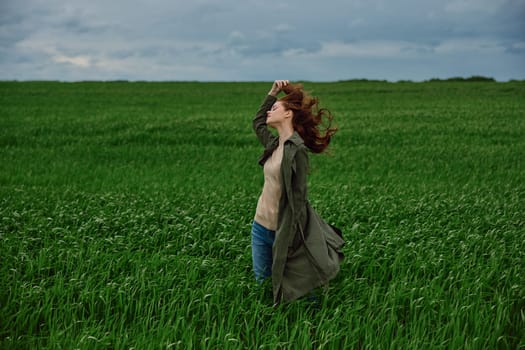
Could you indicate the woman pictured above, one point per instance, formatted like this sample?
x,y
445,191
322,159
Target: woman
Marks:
x,y
290,242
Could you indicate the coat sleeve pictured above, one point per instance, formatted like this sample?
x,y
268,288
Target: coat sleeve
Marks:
x,y
259,122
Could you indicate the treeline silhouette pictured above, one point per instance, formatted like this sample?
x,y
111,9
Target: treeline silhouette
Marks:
x,y
474,78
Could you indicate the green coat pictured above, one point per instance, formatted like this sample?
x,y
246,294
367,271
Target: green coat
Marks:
x,y
307,251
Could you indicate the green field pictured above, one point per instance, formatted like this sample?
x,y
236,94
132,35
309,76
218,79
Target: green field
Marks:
x,y
125,214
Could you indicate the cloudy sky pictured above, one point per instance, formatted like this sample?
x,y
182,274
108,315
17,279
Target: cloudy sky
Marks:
x,y
244,40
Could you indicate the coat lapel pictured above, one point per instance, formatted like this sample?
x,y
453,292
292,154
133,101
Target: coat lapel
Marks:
x,y
288,165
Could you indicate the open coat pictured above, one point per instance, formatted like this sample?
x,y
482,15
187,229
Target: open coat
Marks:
x,y
307,251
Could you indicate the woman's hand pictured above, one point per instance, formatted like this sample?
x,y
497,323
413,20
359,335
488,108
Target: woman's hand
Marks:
x,y
278,86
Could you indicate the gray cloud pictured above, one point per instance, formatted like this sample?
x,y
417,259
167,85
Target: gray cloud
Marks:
x,y
254,40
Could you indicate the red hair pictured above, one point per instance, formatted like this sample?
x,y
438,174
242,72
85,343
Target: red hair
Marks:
x,y
307,117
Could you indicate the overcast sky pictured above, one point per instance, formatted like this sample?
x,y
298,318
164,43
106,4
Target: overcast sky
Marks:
x,y
244,40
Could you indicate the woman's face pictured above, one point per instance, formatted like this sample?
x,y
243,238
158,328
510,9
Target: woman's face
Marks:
x,y
277,114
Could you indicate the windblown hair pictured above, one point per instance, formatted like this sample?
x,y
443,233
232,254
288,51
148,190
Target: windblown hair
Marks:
x,y
308,118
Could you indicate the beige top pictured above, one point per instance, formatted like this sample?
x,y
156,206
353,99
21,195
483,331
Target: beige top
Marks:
x,y
268,204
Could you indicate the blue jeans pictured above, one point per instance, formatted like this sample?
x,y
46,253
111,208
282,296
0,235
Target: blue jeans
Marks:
x,y
262,242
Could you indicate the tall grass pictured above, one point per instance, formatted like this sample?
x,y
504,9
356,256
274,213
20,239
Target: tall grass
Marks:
x,y
125,215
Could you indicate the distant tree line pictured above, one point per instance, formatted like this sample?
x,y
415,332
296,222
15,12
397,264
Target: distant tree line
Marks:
x,y
474,78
